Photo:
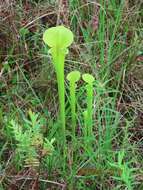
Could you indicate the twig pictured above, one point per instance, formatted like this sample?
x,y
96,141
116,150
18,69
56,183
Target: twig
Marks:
x,y
34,178
51,13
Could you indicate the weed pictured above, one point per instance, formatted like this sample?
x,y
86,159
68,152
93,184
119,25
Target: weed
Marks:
x,y
30,143
125,173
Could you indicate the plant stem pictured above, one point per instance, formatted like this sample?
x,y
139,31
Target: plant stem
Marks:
x,y
73,109
85,127
61,89
58,59
89,108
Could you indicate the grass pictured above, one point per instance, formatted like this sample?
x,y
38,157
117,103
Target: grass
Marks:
x,y
107,44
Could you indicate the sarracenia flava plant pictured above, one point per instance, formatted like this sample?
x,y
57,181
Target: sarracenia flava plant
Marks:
x,y
89,79
59,39
73,77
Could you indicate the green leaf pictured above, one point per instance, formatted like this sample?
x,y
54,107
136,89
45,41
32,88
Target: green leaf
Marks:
x,y
73,76
88,78
23,31
59,37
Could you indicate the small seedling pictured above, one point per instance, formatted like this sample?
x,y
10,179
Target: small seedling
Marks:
x,y
89,79
58,39
73,77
